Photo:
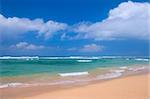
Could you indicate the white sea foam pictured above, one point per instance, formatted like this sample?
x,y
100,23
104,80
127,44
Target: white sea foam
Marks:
x,y
109,75
65,57
118,71
111,56
112,74
83,57
124,67
73,74
137,69
84,61
4,86
11,85
21,57
141,59
70,57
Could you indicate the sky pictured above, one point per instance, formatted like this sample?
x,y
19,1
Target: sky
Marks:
x,y
74,27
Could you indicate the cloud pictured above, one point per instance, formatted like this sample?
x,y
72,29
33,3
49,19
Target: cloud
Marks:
x,y
27,46
14,26
128,20
89,48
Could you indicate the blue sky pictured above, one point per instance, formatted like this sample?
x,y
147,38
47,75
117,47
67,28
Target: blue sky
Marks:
x,y
74,27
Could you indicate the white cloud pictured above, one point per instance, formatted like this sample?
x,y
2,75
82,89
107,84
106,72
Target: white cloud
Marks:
x,y
27,46
128,20
91,48
14,26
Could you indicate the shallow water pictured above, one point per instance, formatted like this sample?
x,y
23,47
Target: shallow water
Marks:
x,y
18,71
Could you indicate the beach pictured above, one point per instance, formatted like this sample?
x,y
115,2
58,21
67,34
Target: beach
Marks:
x,y
74,78
130,87
72,49
133,87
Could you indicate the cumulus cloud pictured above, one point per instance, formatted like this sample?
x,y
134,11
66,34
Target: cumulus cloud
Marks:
x,y
89,48
27,46
14,26
128,20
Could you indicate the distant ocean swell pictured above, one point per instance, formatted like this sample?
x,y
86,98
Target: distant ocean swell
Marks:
x,y
142,58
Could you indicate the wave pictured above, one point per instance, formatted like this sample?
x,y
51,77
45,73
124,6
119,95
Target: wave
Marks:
x,y
11,85
123,67
141,59
61,57
21,57
137,69
73,74
134,69
63,82
84,61
109,75
73,57
70,57
112,73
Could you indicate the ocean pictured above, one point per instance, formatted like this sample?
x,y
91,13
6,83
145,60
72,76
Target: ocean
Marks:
x,y
35,71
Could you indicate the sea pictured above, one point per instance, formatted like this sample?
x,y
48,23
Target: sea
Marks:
x,y
27,71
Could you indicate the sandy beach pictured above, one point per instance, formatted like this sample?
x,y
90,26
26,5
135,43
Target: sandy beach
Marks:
x,y
131,87
74,49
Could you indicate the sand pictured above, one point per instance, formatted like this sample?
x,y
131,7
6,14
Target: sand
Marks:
x,y
131,87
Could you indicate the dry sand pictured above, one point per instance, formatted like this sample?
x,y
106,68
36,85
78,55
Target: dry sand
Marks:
x,y
132,87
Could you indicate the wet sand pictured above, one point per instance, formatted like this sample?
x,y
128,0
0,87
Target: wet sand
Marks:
x,y
130,87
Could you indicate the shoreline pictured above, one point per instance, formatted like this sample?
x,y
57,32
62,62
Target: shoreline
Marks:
x,y
101,74
130,87
34,92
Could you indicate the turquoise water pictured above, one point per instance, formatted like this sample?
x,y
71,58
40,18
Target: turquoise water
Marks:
x,y
37,71
55,65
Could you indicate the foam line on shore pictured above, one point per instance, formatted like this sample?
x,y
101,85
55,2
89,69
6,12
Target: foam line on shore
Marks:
x,y
112,73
